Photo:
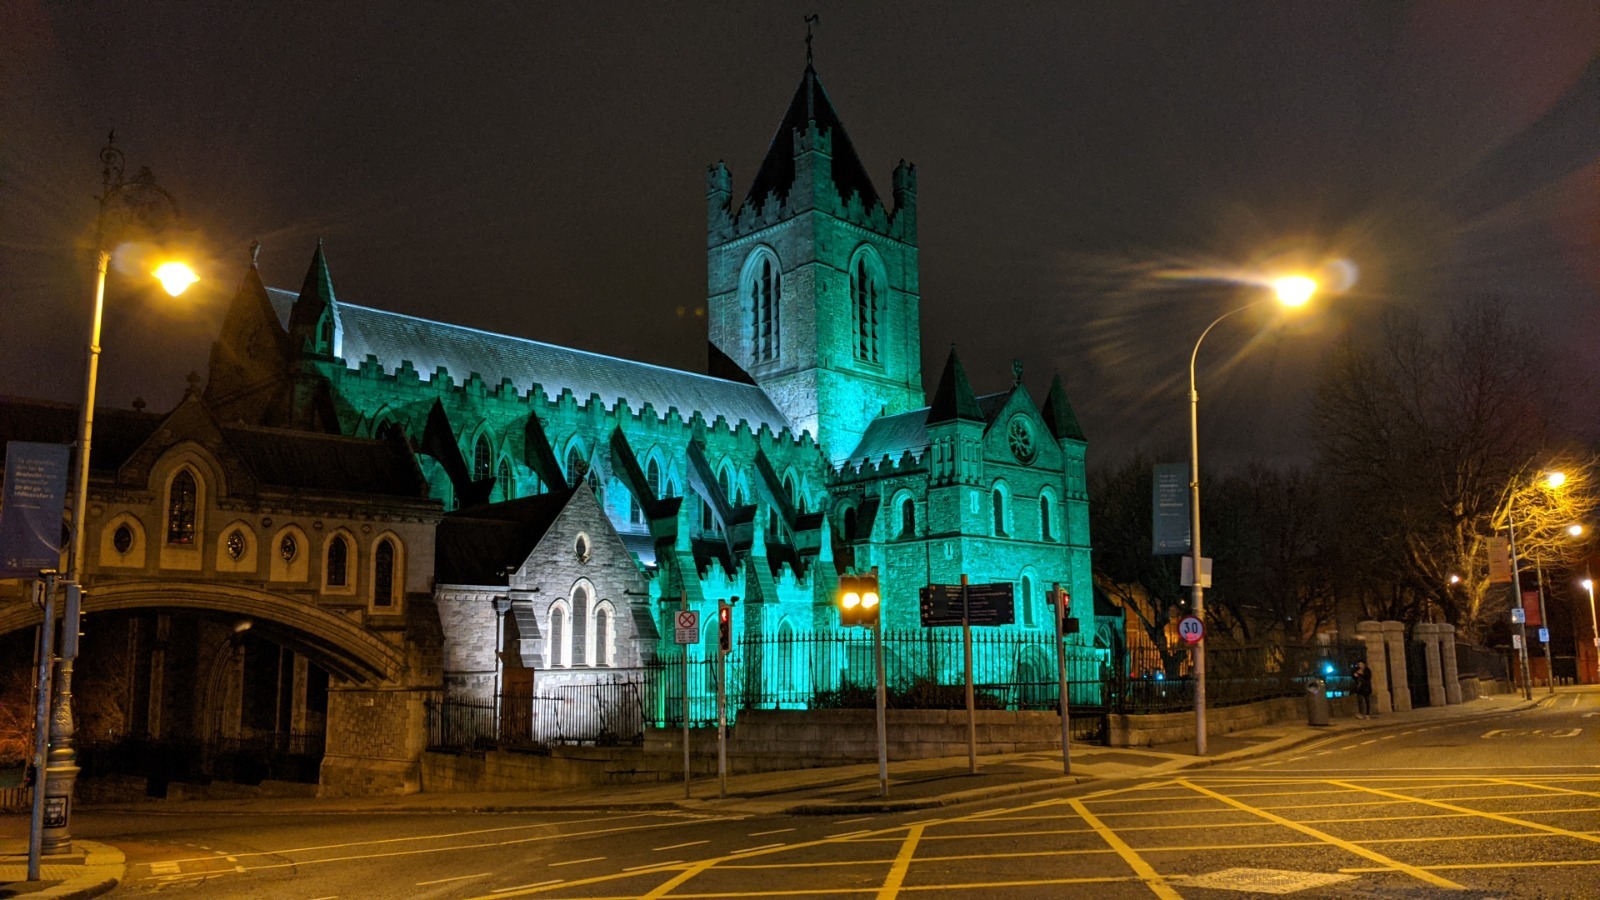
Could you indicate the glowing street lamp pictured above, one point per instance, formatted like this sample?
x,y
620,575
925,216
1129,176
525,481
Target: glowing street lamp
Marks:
x,y
1290,291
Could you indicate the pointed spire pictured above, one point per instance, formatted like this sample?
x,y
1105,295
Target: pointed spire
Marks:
x,y
954,399
318,285
811,104
1058,415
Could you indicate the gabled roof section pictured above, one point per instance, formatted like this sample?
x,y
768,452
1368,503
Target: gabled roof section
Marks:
x,y
117,432
326,463
393,338
811,104
485,544
1058,415
954,398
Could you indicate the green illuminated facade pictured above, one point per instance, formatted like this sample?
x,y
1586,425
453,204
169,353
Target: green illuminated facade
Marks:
x,y
810,449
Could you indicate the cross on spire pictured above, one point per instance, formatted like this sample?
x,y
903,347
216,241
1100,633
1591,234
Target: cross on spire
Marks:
x,y
810,20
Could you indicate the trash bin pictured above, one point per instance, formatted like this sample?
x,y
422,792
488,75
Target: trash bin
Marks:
x,y
1316,702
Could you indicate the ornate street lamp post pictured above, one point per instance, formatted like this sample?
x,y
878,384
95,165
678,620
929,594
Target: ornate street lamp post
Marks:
x,y
121,201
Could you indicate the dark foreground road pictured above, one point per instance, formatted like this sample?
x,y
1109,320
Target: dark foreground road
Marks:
x,y
1497,806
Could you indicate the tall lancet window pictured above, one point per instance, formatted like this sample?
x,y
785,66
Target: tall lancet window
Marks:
x,y
866,294
763,285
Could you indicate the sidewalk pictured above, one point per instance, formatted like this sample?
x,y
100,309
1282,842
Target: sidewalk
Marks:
x,y
913,784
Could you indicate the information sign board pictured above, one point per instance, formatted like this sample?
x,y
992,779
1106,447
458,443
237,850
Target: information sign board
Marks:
x,y
1518,617
987,604
30,511
1544,635
1169,506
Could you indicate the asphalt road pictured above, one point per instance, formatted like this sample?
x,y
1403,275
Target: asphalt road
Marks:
x,y
1504,806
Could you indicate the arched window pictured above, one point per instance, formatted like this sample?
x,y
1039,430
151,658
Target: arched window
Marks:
x,y
577,466
908,518
338,569
1044,518
849,528
558,652
582,611
1025,600
325,332
999,499
763,287
181,508
652,478
503,487
387,430
866,294
383,560
482,458
786,658
604,636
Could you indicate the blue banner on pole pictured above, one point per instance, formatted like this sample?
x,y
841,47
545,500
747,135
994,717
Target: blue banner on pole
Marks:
x,y
1169,504
31,507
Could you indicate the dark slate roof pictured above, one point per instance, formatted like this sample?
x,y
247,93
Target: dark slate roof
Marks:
x,y
953,399
393,337
776,174
117,432
1058,415
892,436
484,544
325,463
907,432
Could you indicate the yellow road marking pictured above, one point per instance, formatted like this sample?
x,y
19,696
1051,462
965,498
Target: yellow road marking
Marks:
x,y
1489,815
1323,836
1146,873
1542,787
902,862
1524,864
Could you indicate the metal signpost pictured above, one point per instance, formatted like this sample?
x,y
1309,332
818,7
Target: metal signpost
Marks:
x,y
46,587
687,632
724,633
966,605
1059,599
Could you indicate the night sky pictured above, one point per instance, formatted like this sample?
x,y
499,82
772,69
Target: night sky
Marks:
x,y
538,170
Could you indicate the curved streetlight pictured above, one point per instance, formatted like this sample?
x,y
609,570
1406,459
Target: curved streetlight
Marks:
x,y
1551,480
1594,620
1290,291
121,201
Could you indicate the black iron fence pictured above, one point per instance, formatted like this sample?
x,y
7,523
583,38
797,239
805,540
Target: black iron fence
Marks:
x,y
923,669
1148,682
1482,662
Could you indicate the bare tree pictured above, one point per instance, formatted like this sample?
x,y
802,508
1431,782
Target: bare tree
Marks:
x,y
1423,434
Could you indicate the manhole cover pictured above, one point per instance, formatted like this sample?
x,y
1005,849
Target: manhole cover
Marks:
x,y
1265,881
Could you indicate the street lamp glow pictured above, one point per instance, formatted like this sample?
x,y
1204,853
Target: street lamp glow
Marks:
x,y
1294,290
1588,584
1555,479
1575,530
175,277
1455,579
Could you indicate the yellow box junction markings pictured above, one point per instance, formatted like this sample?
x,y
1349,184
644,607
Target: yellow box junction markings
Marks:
x,y
1357,849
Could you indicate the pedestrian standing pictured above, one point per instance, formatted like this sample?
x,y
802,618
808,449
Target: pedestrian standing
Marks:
x,y
1361,678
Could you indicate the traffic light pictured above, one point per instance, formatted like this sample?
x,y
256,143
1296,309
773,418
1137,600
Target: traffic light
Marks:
x,y
858,600
724,627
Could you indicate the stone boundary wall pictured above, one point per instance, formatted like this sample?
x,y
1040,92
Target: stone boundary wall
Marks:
x,y
1172,728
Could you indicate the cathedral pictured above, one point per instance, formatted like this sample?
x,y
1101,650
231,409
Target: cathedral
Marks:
x,y
808,449
364,518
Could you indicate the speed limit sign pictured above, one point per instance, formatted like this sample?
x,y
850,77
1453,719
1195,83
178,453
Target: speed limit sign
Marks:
x,y
1191,630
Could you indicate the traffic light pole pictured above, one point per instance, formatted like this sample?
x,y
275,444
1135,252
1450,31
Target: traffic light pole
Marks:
x,y
683,604
1061,675
883,729
966,658
724,637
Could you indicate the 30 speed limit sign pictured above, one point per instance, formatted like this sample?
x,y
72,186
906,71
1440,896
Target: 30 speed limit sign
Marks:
x,y
1191,630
